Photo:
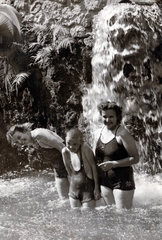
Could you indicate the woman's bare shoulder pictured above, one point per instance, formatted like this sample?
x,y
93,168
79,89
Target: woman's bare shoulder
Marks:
x,y
43,133
123,135
122,131
39,132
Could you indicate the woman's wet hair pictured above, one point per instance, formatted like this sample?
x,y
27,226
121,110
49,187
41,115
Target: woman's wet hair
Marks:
x,y
106,105
17,128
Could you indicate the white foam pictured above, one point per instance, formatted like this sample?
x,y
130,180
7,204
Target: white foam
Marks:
x,y
148,190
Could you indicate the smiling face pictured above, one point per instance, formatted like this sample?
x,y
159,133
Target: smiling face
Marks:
x,y
109,118
20,139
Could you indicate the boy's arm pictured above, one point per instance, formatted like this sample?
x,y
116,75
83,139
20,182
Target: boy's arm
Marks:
x,y
91,159
66,160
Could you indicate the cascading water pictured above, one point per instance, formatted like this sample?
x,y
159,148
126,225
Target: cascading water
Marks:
x,y
127,69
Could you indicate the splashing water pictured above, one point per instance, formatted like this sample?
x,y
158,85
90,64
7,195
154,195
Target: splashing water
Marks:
x,y
30,209
127,69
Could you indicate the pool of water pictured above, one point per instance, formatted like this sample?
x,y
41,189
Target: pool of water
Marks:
x,y
30,210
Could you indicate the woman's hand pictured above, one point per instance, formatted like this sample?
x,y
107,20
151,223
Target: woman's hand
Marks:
x,y
105,166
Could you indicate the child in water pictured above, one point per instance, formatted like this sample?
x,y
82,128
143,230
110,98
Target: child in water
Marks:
x,y
79,161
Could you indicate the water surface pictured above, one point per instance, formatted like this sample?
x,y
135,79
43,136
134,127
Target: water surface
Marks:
x,y
30,209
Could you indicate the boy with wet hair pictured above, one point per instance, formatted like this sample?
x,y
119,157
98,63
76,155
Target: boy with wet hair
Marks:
x,y
79,161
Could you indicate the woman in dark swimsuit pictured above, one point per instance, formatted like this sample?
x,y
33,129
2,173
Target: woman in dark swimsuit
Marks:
x,y
115,152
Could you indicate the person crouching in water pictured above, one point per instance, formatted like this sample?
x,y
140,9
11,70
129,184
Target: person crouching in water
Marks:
x,y
79,161
48,144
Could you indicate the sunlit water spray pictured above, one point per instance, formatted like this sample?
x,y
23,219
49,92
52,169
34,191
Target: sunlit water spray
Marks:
x,y
127,69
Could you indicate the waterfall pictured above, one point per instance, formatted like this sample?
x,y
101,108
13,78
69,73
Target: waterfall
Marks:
x,y
127,69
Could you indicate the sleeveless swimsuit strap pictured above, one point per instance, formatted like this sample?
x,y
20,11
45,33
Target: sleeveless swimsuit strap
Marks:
x,y
114,134
116,130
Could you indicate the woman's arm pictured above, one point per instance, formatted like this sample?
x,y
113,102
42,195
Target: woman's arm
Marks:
x,y
90,158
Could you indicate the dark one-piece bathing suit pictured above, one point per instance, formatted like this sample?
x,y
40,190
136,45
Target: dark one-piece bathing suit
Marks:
x,y
81,187
115,178
55,157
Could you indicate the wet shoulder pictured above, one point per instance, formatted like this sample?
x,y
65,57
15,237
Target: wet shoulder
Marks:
x,y
43,133
122,134
39,132
121,131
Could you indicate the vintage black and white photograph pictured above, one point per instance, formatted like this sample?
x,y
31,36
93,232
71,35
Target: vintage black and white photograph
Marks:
x,y
80,119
